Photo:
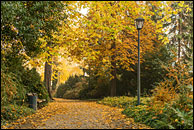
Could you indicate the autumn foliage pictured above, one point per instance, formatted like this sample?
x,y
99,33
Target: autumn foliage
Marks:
x,y
45,44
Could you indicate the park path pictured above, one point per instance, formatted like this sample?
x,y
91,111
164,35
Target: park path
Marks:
x,y
77,114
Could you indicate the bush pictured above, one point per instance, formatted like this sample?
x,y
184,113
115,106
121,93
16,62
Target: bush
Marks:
x,y
75,92
169,116
176,84
11,89
13,112
179,115
78,87
68,85
32,81
122,101
14,87
172,102
97,88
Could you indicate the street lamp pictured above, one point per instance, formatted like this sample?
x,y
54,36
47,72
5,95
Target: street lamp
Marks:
x,y
139,25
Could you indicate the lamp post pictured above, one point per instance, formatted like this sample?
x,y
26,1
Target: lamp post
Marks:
x,y
139,25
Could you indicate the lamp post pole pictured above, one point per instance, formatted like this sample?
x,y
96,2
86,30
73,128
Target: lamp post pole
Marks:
x,y
139,25
138,70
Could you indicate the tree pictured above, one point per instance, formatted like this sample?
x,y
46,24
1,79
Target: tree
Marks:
x,y
108,38
23,24
180,26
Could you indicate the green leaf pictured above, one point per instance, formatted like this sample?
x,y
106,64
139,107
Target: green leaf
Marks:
x,y
128,28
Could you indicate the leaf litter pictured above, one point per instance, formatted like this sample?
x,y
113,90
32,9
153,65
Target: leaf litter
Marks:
x,y
76,114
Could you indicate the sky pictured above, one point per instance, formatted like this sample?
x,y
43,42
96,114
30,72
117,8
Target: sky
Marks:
x,y
84,11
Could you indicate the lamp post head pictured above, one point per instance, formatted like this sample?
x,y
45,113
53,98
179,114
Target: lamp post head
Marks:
x,y
139,23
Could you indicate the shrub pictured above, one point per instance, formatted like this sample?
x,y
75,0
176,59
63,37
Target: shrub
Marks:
x,y
179,118
122,101
173,116
8,87
77,87
74,93
13,112
14,88
32,82
172,103
11,89
68,85
175,84
97,88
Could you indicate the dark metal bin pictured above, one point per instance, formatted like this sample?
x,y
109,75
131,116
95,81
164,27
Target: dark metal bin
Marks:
x,y
33,100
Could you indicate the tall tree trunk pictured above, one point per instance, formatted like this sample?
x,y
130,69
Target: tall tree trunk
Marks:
x,y
47,75
113,73
47,78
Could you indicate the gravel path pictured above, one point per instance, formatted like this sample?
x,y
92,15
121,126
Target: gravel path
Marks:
x,y
77,114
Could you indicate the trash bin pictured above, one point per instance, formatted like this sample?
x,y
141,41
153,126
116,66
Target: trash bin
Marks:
x,y
33,100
